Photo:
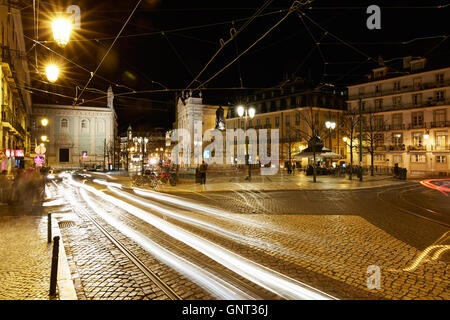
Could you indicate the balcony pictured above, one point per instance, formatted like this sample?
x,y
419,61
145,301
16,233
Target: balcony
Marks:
x,y
403,89
412,126
417,148
397,148
9,120
440,124
392,127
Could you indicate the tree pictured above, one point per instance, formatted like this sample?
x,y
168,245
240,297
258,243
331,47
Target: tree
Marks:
x,y
372,129
350,125
313,129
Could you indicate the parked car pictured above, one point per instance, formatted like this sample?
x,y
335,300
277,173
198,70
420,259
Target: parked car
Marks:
x,y
54,175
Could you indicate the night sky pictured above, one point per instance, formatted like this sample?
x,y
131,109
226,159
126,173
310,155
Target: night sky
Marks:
x,y
143,57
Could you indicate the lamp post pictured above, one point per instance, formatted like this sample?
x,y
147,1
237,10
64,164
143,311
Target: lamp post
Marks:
x,y
145,151
246,113
330,126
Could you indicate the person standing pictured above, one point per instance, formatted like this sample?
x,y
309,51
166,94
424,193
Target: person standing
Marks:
x,y
203,168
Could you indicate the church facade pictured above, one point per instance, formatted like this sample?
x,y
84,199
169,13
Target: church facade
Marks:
x,y
75,136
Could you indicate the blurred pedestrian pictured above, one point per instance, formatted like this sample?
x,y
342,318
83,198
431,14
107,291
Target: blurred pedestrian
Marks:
x,y
202,170
4,187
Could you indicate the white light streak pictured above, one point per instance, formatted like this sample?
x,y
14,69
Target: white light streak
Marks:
x,y
271,280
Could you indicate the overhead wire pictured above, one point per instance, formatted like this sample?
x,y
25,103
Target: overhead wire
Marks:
x,y
107,52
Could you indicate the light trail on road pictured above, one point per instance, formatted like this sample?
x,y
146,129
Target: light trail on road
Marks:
x,y
271,280
216,286
214,228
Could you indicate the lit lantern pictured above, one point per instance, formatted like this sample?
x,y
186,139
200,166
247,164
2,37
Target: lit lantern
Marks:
x,y
52,72
62,28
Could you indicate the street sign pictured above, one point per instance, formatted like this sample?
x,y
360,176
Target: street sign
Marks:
x,y
39,160
40,149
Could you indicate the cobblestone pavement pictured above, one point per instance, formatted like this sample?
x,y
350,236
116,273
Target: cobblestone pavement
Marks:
x,y
100,271
326,239
25,256
339,234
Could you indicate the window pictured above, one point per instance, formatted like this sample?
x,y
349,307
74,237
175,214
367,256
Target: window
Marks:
x,y
420,158
441,159
379,157
417,99
397,101
268,122
378,88
288,120
397,139
277,122
378,104
297,119
258,123
439,78
363,105
418,139
397,85
397,121
63,155
242,124
361,91
439,95
64,123
417,119
439,118
379,122
378,139
417,83
250,124
84,127
397,158
441,140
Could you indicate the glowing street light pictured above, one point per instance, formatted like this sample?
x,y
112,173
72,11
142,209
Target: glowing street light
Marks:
x,y
44,122
52,72
44,138
62,28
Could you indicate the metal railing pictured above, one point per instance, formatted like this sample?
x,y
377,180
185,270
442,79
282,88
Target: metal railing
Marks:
x,y
403,89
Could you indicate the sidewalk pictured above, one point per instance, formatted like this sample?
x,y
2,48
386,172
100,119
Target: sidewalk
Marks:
x,y
26,255
282,182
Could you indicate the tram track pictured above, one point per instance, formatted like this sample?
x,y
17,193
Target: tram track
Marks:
x,y
416,214
170,293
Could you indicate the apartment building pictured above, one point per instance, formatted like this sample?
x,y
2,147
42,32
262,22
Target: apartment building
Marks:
x,y
410,110
289,107
15,99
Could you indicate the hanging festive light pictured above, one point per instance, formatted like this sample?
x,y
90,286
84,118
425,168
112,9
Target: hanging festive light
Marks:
x,y
62,28
52,72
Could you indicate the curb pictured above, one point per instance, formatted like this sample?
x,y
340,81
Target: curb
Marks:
x,y
277,190
66,288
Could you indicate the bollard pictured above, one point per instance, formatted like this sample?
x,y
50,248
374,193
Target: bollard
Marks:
x,y
54,270
49,228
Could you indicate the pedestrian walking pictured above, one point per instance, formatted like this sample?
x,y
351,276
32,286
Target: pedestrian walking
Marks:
x,y
203,168
4,187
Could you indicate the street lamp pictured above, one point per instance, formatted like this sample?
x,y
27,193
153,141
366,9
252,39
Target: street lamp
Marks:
x,y
44,122
330,126
62,28
44,138
246,112
52,72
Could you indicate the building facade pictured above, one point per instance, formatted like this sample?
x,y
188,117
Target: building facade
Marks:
x,y
15,100
294,108
195,117
75,136
140,149
410,112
